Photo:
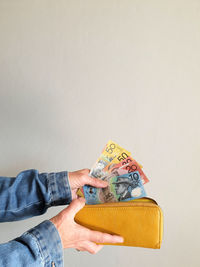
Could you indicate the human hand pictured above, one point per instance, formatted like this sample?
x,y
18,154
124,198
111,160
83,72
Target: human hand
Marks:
x,y
80,178
76,236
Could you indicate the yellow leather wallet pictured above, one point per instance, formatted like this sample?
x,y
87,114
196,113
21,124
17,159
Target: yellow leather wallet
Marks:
x,y
139,221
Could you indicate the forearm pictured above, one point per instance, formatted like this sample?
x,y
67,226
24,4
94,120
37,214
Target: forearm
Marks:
x,y
31,193
39,247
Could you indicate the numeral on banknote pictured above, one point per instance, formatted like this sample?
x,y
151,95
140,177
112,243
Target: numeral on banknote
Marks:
x,y
134,176
122,156
131,168
110,148
126,161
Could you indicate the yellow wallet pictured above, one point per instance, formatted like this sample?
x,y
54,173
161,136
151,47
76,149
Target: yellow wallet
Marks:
x,y
139,221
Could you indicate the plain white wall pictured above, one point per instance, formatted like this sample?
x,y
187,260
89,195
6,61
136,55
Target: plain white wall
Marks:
x,y
74,74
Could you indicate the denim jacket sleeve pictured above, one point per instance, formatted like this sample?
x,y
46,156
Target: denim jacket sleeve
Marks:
x,y
26,195
38,247
31,193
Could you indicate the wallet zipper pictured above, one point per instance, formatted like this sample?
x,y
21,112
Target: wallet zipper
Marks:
x,y
140,200
136,202
144,199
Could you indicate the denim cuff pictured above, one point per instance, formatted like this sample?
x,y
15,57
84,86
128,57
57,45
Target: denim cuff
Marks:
x,y
59,188
49,244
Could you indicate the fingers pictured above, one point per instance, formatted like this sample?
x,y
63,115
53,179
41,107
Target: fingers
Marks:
x,y
94,182
91,180
89,246
86,171
81,178
75,206
99,237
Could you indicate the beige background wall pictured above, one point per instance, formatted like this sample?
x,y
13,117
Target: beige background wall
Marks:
x,y
74,74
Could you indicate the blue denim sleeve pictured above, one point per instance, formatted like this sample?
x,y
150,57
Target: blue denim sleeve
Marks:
x,y
39,247
31,193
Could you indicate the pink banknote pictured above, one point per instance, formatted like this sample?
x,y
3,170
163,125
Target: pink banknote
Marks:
x,y
128,165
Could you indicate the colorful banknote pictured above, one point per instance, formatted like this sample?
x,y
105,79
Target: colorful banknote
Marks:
x,y
114,151
126,166
124,175
121,188
115,162
111,151
100,164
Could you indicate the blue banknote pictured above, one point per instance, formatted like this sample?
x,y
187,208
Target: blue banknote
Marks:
x,y
121,188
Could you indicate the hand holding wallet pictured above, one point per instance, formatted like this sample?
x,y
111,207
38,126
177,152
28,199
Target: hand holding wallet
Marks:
x,y
139,221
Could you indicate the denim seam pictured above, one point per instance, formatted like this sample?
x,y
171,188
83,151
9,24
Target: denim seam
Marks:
x,y
54,188
46,256
41,250
67,186
49,189
39,247
51,183
24,207
59,237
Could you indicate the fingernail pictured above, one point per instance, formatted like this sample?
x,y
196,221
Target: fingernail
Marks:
x,y
119,239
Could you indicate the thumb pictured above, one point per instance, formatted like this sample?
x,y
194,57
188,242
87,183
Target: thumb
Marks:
x,y
75,206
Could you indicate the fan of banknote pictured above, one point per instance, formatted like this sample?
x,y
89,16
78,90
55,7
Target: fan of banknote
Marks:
x,y
125,177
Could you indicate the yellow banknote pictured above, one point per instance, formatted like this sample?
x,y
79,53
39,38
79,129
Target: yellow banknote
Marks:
x,y
115,152
110,152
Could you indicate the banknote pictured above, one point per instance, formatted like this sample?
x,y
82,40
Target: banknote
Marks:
x,y
80,192
100,164
121,188
127,166
112,164
115,162
111,151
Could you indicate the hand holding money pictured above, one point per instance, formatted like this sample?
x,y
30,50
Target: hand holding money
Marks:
x,y
124,176
80,178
